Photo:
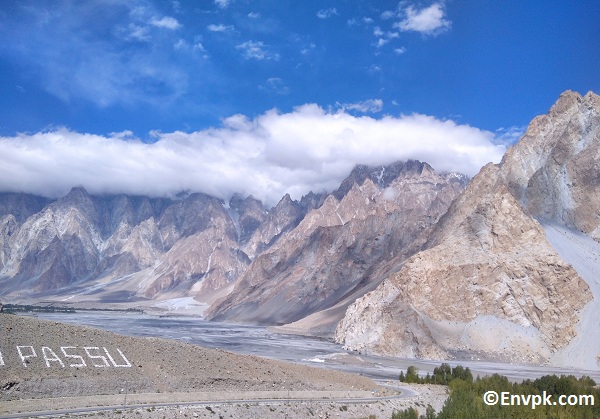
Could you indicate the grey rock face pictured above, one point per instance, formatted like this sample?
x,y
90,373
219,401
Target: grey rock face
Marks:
x,y
488,280
343,245
563,184
82,241
292,260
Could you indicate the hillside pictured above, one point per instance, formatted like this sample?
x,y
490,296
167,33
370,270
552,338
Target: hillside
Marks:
x,y
491,281
293,260
42,359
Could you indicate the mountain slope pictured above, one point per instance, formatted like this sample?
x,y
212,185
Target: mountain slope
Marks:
x,y
340,247
135,250
489,281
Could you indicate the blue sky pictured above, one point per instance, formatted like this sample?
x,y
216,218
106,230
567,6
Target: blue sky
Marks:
x,y
142,70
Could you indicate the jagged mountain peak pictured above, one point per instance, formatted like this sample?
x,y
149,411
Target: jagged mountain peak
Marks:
x,y
489,265
239,203
382,176
553,170
336,249
21,205
199,244
571,99
77,196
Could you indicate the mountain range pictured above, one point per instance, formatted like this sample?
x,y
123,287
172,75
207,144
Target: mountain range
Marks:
x,y
400,260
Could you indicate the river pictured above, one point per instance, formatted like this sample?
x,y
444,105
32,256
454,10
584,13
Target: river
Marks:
x,y
259,341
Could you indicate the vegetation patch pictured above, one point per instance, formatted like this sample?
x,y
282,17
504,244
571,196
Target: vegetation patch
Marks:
x,y
467,396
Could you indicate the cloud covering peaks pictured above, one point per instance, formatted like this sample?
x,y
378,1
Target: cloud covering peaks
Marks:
x,y
268,156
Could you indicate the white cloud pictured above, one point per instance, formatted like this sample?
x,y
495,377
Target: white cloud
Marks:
x,y
166,22
181,44
199,47
400,50
327,13
388,15
256,50
428,21
222,3
308,48
137,33
509,136
277,86
254,15
374,69
366,106
273,154
381,42
219,28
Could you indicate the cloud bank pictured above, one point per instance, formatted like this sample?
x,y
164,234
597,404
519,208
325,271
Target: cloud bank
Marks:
x,y
269,156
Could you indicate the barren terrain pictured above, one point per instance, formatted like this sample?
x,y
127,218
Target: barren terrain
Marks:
x,y
50,365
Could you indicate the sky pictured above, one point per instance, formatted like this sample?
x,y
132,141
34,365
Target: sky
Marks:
x,y
272,97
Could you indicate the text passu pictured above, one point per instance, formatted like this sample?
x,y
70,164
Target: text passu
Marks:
x,y
68,357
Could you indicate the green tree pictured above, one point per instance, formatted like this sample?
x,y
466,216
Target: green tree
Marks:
x,y
430,412
409,413
442,374
412,375
462,373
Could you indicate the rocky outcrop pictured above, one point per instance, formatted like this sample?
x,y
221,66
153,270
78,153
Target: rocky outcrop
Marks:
x,y
488,281
555,170
203,252
360,233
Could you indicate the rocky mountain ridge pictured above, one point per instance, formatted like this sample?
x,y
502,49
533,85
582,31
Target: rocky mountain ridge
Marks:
x,y
361,232
139,249
488,281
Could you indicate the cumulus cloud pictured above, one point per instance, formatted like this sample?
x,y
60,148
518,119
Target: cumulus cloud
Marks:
x,y
273,154
219,28
428,21
327,13
256,50
222,3
276,85
388,14
166,22
366,106
381,42
137,33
